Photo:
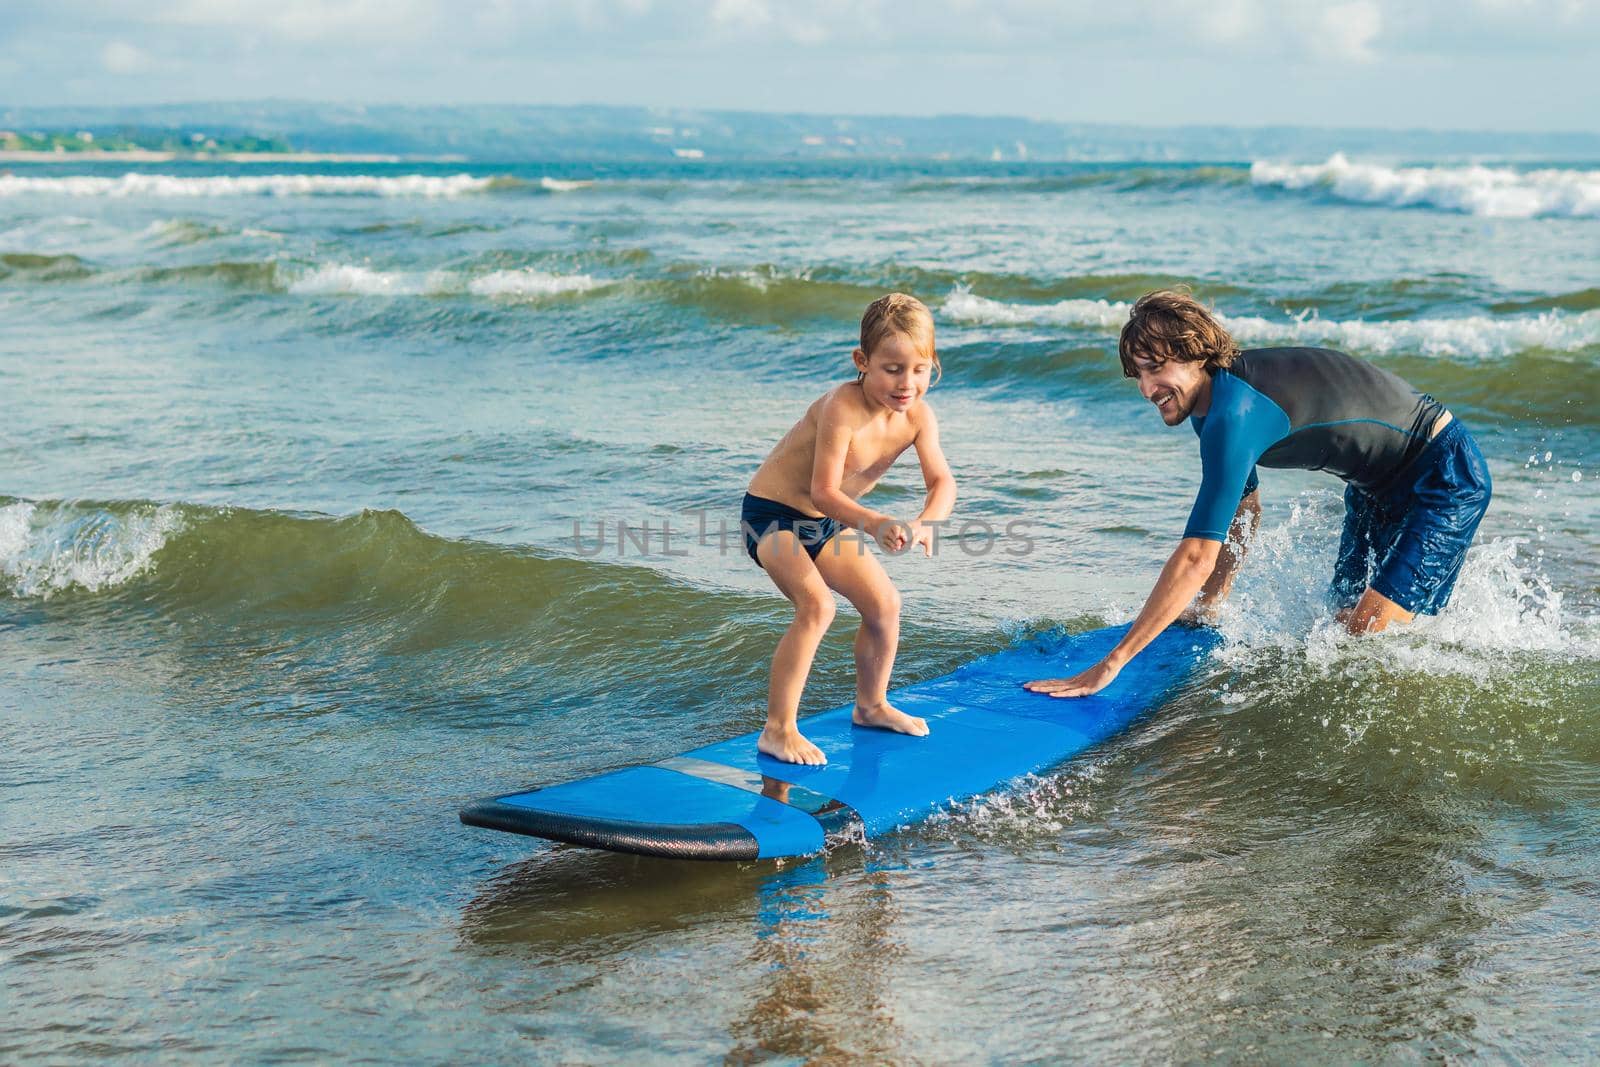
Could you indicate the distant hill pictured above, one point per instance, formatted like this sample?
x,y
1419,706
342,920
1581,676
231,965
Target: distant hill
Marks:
x,y
517,133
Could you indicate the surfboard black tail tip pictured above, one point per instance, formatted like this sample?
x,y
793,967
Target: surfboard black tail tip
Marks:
x,y
702,841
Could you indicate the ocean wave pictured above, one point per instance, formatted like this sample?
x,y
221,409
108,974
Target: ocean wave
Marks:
x,y
182,232
347,278
526,282
136,185
1478,336
42,268
1492,192
1121,178
351,279
1580,300
327,279
963,305
377,582
767,294
49,548
261,275
199,554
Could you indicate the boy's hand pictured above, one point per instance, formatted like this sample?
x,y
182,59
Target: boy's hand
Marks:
x,y
892,536
921,534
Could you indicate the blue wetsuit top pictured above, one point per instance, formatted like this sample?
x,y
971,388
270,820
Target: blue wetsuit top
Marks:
x,y
1305,408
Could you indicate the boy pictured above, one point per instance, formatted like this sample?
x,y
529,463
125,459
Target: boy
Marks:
x,y
806,492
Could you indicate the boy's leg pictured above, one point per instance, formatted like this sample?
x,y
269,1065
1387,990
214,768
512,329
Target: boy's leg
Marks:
x,y
796,577
848,567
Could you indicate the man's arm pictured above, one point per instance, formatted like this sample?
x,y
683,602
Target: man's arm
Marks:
x,y
1188,568
1215,591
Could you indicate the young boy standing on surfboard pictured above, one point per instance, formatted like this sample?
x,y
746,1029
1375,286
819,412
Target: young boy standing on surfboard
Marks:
x,y
1416,483
805,493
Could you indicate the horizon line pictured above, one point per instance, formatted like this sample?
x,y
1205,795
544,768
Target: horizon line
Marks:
x,y
858,115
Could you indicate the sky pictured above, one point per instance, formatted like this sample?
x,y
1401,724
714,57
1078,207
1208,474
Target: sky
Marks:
x,y
1519,65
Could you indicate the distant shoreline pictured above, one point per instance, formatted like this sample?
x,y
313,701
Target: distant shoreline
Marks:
x,y
142,155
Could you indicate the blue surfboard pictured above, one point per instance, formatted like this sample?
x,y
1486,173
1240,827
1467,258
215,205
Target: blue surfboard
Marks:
x,y
727,801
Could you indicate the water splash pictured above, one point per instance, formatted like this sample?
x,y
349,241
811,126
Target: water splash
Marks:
x,y
1504,608
48,549
1035,806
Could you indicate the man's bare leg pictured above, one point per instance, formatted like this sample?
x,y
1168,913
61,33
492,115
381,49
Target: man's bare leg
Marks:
x,y
1372,613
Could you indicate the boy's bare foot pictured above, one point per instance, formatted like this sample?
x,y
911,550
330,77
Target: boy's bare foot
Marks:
x,y
886,716
790,746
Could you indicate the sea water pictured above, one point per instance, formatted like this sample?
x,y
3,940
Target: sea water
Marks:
x,y
334,496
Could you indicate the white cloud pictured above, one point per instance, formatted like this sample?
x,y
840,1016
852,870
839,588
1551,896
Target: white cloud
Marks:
x,y
741,14
1227,21
802,24
1075,58
1346,31
311,20
120,57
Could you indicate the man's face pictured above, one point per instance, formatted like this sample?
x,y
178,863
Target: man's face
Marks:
x,y
1177,389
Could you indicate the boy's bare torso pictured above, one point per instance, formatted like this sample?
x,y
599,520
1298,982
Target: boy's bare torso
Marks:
x,y
876,441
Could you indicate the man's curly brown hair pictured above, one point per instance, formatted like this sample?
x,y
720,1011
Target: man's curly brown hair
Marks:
x,y
1170,324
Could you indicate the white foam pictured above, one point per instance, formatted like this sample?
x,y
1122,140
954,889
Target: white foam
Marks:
x,y
364,281
353,279
46,550
530,283
1478,336
63,233
965,306
1031,806
562,185
1503,607
1492,192
166,185
761,279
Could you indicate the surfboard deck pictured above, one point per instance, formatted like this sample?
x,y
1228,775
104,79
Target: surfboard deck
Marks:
x,y
726,801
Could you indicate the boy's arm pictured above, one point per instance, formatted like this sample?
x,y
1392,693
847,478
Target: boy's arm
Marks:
x,y
936,476
834,431
1186,571
1215,591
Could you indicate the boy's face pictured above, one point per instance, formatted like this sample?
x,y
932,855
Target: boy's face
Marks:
x,y
1176,388
898,372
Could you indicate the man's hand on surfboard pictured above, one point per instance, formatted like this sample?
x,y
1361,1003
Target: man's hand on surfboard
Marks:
x,y
1082,684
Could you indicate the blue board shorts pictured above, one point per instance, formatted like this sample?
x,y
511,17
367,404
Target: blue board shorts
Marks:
x,y
1409,541
760,516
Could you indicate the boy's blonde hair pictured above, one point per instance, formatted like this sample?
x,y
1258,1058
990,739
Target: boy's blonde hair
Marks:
x,y
1169,324
899,313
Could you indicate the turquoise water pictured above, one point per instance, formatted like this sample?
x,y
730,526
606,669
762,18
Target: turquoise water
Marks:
x,y
300,479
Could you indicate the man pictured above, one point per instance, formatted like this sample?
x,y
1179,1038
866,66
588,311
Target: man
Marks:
x,y
1416,483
